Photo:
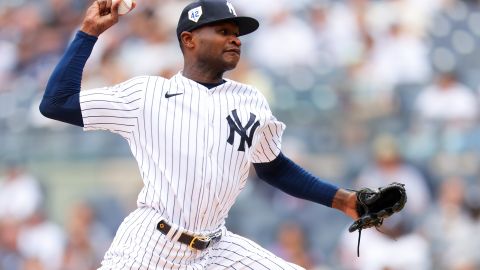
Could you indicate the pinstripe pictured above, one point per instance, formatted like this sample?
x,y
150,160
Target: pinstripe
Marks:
x,y
256,261
232,195
259,251
270,148
240,163
195,152
207,155
110,101
204,172
114,93
181,162
153,106
273,136
110,123
179,174
148,188
191,174
150,108
187,168
160,177
263,149
137,91
107,116
243,257
228,194
197,226
134,149
140,160
161,252
91,92
248,254
172,168
224,159
153,251
211,197
131,248
168,255
139,134
167,206
224,266
221,178
213,160
143,237
218,179
111,109
126,232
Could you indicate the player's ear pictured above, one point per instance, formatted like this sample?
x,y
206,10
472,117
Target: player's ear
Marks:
x,y
187,40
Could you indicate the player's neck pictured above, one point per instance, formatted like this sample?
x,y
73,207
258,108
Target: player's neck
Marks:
x,y
202,74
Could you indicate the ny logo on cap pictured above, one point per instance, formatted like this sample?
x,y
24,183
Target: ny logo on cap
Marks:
x,y
231,9
194,14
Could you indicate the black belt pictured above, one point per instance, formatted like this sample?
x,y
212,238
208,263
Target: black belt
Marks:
x,y
196,242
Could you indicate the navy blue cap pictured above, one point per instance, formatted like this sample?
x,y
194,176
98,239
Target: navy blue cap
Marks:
x,y
203,12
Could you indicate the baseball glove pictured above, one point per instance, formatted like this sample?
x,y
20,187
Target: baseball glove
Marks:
x,y
374,206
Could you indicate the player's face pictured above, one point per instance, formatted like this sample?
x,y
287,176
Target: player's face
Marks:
x,y
218,46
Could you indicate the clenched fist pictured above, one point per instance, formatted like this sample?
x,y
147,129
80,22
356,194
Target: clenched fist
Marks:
x,y
100,16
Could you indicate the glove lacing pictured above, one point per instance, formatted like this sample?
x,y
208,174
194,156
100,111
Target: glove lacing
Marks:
x,y
360,235
358,243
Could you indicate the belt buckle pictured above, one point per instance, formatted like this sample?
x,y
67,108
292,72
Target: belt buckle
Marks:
x,y
201,238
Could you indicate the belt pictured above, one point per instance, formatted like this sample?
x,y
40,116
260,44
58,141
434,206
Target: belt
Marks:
x,y
194,242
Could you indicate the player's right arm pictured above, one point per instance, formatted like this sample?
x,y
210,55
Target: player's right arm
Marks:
x,y
61,97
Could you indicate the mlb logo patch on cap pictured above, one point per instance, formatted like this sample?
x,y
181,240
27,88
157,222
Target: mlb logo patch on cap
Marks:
x,y
195,13
204,12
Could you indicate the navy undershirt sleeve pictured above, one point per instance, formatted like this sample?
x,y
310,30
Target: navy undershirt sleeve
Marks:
x,y
294,180
61,99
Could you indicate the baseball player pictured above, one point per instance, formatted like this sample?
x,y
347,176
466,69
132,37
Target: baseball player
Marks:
x,y
194,136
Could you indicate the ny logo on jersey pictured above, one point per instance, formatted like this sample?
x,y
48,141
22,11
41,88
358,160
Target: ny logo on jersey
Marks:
x,y
236,126
231,9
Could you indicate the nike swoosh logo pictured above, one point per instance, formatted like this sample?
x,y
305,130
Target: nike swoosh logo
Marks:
x,y
167,95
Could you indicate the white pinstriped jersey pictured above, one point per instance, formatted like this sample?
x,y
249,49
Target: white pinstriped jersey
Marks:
x,y
193,145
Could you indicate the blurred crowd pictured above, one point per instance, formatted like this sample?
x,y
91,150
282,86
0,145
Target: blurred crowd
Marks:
x,y
372,91
29,240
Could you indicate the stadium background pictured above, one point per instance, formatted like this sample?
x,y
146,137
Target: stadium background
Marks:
x,y
371,92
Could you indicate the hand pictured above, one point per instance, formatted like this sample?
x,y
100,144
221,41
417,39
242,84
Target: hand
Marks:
x,y
351,205
100,16
346,201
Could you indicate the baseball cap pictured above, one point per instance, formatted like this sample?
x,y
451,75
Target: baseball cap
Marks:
x,y
203,12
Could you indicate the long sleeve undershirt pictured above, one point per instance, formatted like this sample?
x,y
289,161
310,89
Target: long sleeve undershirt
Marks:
x,y
61,98
284,174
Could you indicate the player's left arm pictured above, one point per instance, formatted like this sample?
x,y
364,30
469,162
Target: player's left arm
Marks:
x,y
289,177
275,168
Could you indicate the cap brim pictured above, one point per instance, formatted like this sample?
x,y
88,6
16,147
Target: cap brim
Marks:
x,y
246,25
